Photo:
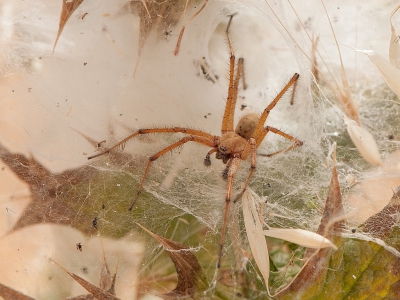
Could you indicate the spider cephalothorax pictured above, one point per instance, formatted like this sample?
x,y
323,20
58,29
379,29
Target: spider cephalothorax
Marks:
x,y
232,146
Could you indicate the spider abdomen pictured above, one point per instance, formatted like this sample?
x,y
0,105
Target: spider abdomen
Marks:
x,y
247,125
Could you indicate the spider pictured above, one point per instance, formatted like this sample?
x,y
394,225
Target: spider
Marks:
x,y
232,146
79,246
94,222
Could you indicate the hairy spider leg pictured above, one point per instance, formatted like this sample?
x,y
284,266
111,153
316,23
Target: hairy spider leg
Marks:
x,y
178,43
293,92
239,73
296,142
251,147
190,138
225,172
241,66
263,118
207,160
157,130
231,174
227,120
229,114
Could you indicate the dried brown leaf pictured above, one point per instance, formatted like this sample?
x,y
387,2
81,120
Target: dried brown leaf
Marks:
x,y
68,8
333,206
47,204
381,224
9,293
186,264
99,293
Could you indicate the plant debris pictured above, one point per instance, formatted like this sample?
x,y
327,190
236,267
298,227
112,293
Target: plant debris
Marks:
x,y
68,8
9,293
186,264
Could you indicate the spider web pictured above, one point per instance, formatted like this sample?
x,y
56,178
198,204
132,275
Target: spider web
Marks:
x,y
94,99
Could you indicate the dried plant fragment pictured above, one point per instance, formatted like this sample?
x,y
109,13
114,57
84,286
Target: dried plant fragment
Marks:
x,y
381,224
48,204
99,293
186,264
394,48
364,142
342,92
9,293
252,223
314,62
300,237
107,281
68,8
389,72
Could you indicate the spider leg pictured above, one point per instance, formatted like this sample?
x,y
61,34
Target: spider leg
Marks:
x,y
231,175
226,124
296,142
122,143
270,106
182,141
293,93
178,43
227,120
225,172
207,160
250,146
235,90
241,67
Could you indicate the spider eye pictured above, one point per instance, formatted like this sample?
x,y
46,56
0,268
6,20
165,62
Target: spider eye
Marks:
x,y
222,148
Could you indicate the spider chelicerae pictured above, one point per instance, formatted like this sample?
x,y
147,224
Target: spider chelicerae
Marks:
x,y
232,146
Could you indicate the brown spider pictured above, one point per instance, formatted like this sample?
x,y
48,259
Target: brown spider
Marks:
x,y
79,246
232,146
